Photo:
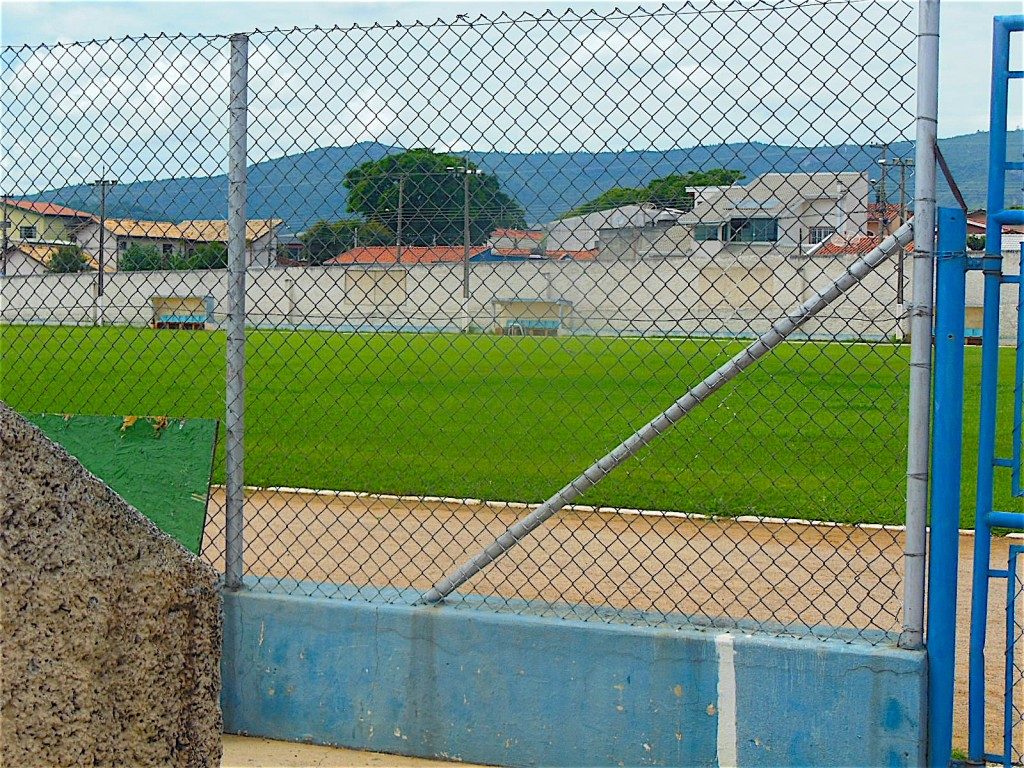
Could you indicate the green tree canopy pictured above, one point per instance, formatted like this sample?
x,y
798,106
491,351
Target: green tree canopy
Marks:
x,y
139,258
612,198
68,258
206,256
326,239
671,191
432,198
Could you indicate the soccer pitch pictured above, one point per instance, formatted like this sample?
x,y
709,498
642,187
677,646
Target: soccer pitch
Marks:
x,y
815,431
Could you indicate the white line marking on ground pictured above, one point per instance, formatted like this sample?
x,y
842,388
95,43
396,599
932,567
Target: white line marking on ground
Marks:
x,y
727,751
787,521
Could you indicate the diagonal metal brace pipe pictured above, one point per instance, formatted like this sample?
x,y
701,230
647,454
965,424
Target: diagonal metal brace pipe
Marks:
x,y
675,413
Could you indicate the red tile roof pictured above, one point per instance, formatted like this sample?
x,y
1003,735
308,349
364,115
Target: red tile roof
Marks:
x,y
519,233
47,209
857,245
411,254
892,211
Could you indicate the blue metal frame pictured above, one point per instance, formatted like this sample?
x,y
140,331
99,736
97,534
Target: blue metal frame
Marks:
x,y
947,429
1011,643
985,517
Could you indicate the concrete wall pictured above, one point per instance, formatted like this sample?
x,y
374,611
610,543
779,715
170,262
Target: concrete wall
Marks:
x,y
523,690
110,634
732,294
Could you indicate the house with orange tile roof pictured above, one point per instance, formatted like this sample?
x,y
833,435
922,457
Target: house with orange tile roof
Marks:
x,y
29,258
518,239
39,222
170,237
410,254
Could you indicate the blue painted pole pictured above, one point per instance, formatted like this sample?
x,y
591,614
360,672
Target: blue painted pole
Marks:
x,y
992,267
947,447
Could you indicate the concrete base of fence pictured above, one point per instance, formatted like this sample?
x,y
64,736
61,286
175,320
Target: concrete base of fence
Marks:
x,y
529,689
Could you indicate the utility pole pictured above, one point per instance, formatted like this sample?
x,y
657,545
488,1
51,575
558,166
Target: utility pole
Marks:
x,y
902,163
398,229
882,197
103,184
465,171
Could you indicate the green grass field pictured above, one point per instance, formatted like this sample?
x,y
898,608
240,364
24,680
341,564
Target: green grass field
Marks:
x,y
813,431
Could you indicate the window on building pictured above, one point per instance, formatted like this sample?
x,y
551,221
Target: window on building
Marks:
x,y
167,249
753,230
27,233
820,234
122,244
703,232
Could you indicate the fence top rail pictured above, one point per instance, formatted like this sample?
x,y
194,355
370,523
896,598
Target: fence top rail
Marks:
x,y
689,8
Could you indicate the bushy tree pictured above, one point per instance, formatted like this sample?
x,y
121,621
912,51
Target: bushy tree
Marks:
x,y
976,242
612,198
671,191
140,258
326,239
433,199
68,258
205,256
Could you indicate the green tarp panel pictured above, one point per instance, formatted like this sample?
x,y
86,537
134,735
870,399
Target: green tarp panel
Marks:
x,y
159,465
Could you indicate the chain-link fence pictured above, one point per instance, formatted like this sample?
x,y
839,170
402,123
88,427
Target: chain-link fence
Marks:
x,y
478,255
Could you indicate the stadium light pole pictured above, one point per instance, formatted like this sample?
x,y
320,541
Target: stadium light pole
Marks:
x,y
103,184
465,171
398,228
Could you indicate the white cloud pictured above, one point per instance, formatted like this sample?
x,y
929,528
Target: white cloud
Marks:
x,y
158,107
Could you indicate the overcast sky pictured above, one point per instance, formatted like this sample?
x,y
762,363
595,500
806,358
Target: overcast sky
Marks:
x,y
966,31
784,76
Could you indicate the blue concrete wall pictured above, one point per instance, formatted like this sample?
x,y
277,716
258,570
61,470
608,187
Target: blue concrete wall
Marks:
x,y
508,689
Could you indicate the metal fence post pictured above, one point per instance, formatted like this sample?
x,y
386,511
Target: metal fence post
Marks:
x,y
238,119
920,311
944,541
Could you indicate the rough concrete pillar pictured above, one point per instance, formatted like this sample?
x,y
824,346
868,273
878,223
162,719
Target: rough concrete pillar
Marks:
x,y
110,631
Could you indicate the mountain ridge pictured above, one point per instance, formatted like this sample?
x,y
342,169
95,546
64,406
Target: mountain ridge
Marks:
x,y
306,187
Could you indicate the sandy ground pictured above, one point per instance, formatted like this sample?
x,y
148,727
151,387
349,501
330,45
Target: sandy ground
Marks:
x,y
244,752
794,574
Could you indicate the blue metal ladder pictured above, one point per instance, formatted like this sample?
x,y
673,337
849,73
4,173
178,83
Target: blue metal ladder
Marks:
x,y
952,265
986,517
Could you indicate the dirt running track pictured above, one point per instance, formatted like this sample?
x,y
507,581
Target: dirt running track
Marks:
x,y
794,574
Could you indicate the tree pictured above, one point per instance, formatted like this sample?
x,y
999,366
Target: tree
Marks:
x,y
68,258
976,242
672,191
433,200
612,198
205,256
140,258
326,239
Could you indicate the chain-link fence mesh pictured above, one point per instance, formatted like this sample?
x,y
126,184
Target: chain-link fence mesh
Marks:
x,y
480,253
1013,720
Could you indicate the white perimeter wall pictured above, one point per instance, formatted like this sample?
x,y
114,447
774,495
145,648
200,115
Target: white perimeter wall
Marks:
x,y
739,295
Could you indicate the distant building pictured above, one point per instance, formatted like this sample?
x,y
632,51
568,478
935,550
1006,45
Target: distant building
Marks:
x,y
783,210
32,258
977,224
580,233
411,254
517,239
170,238
37,222
36,231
